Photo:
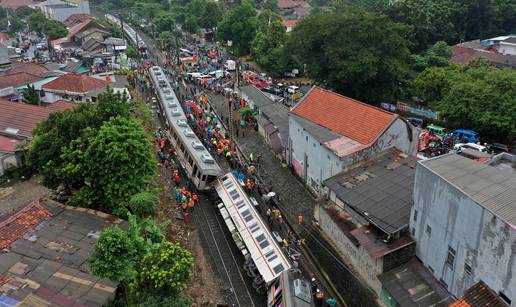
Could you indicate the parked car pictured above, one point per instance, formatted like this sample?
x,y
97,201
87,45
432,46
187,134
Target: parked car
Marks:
x,y
41,46
436,130
18,50
498,148
292,89
458,147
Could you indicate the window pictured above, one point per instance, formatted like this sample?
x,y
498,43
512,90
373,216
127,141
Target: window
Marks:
x,y
413,231
467,269
306,138
415,215
431,269
504,297
450,258
428,230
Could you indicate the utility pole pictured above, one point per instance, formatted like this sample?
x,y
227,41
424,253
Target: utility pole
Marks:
x,y
235,96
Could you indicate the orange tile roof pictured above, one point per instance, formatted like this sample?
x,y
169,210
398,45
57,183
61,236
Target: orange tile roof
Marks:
x,y
289,23
343,115
18,224
78,27
75,83
479,295
25,117
18,79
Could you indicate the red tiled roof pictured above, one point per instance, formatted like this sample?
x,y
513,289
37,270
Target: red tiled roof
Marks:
x,y
479,295
75,19
343,115
18,224
77,28
289,23
8,144
29,68
25,117
287,4
18,79
14,4
75,83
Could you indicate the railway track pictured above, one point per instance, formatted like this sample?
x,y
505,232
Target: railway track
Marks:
x,y
222,253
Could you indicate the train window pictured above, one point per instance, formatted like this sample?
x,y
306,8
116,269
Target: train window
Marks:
x,y
278,300
195,170
279,268
264,244
260,238
249,218
254,227
246,212
240,204
211,178
190,161
203,178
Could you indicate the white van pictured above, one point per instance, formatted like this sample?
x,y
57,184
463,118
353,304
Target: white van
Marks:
x,y
473,146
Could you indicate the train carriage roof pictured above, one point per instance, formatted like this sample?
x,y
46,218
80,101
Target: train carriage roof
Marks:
x,y
177,118
265,252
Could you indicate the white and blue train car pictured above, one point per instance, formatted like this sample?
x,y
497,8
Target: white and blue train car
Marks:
x,y
197,162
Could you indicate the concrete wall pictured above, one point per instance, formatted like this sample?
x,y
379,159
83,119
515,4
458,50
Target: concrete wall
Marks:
x,y
507,48
7,161
480,239
53,97
320,164
323,163
355,256
60,14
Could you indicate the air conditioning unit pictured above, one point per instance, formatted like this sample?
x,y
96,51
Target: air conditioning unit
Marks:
x,y
189,133
206,158
176,112
197,145
172,105
182,123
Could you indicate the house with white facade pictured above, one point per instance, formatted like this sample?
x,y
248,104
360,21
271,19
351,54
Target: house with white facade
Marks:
x,y
74,87
464,222
329,132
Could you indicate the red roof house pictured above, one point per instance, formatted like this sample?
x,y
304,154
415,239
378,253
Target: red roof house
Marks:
x,y
73,86
17,120
343,115
76,19
18,79
329,132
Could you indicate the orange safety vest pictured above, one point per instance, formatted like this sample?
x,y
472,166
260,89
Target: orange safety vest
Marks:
x,y
183,205
191,203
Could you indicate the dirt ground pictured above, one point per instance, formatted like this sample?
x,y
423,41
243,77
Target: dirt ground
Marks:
x,y
15,195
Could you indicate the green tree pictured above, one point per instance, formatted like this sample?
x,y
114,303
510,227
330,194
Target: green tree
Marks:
x,y
167,270
52,28
114,255
143,203
239,26
131,52
357,53
53,135
118,163
164,21
168,39
31,95
211,15
475,97
268,44
438,55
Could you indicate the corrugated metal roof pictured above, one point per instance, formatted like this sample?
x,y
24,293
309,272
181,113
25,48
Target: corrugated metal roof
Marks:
x,y
488,186
379,190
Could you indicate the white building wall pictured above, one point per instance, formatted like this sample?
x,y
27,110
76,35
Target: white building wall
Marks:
x,y
323,163
320,162
506,48
481,240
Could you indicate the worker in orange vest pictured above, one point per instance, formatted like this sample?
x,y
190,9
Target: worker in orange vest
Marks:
x,y
300,218
191,204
